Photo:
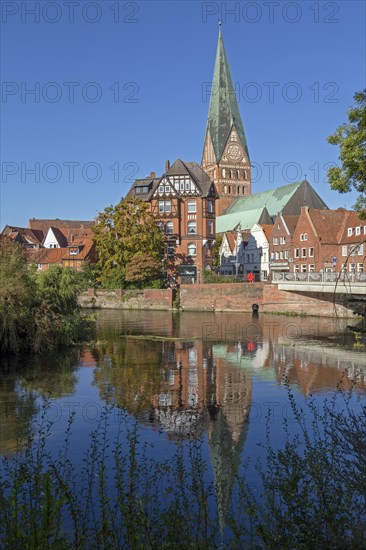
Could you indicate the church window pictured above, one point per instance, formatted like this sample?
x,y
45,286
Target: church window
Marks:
x,y
238,190
238,174
243,190
231,174
225,188
229,188
224,173
245,174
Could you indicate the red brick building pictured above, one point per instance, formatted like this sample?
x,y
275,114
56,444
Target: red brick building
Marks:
x,y
183,203
352,245
280,242
316,238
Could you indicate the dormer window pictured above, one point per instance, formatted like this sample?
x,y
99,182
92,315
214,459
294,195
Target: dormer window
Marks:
x,y
350,231
73,250
358,230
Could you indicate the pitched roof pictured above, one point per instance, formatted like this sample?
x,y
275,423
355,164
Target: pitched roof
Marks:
x,y
23,234
245,219
267,230
57,255
353,220
287,199
328,224
291,222
43,225
178,168
223,111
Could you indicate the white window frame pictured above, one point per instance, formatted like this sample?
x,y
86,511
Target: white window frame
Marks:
x,y
344,250
191,207
169,226
303,252
192,246
311,252
304,268
192,228
358,230
350,231
305,236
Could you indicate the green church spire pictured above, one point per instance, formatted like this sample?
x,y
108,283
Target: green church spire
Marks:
x,y
224,111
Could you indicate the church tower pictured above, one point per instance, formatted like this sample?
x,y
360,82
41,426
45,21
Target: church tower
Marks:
x,y
225,155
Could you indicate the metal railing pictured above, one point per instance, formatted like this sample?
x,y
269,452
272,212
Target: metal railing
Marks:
x,y
333,277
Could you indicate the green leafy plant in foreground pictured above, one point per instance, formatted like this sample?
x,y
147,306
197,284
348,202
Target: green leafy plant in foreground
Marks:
x,y
311,492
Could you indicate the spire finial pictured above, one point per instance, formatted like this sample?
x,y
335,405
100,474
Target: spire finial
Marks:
x,y
220,24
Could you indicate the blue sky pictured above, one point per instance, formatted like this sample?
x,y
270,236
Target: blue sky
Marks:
x,y
122,86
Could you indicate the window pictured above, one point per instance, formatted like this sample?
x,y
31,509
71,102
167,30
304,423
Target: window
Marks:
x,y
358,231
350,231
224,173
344,250
360,268
275,240
170,250
286,254
165,207
210,206
191,207
343,268
167,189
160,225
311,268
303,268
169,228
360,250
181,185
188,185
297,253
303,252
210,227
272,256
277,256
161,189
296,268
281,255
305,236
301,236
192,249
311,252
264,257
351,268
73,251
192,227
282,240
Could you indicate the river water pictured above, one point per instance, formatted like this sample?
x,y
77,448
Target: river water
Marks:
x,y
183,375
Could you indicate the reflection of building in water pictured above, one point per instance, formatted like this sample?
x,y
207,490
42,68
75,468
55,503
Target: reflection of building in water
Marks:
x,y
315,368
200,391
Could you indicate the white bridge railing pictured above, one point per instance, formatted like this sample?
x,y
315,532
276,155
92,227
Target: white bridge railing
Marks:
x,y
342,277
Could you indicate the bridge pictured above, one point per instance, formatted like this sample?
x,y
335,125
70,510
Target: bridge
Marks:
x,y
339,283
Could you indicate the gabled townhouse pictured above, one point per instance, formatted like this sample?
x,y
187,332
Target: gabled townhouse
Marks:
x,y
256,258
281,247
74,255
351,255
316,238
232,252
183,203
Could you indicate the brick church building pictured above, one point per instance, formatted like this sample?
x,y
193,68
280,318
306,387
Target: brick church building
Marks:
x,y
187,197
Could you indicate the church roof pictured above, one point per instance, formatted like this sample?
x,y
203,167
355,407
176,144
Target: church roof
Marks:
x,y
287,199
223,111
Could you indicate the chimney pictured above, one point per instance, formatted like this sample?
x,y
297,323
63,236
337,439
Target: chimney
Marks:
x,y
167,165
152,174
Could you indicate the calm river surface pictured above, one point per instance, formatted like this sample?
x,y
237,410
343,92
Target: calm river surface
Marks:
x,y
182,375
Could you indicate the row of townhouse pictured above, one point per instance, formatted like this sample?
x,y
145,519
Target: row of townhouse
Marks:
x,y
63,242
317,240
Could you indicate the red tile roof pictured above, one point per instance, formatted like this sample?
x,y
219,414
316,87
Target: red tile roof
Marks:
x,y
329,224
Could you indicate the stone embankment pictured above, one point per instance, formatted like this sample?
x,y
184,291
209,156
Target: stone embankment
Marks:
x,y
218,297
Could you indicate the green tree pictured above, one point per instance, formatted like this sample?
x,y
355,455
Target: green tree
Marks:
x,y
127,236
351,139
216,252
38,311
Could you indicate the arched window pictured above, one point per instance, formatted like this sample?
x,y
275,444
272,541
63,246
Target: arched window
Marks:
x,y
160,225
224,173
245,174
192,227
229,188
243,189
238,190
169,228
225,188
238,174
231,174
192,249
